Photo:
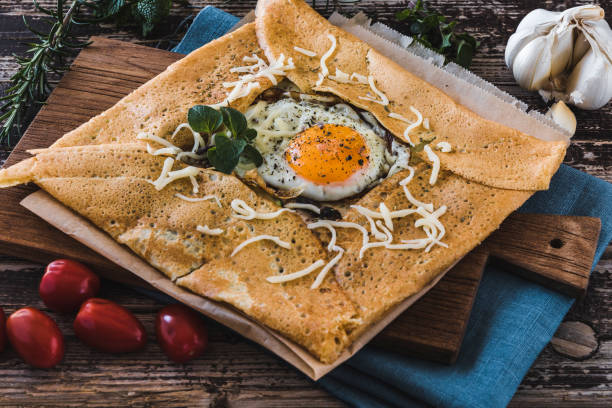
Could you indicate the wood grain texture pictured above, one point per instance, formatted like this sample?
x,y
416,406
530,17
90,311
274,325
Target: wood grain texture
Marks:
x,y
575,340
553,250
553,381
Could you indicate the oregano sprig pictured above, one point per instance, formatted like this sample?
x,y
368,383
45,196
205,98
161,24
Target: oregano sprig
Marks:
x,y
232,137
434,31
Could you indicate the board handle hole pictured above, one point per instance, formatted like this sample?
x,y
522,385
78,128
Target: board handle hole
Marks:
x,y
556,243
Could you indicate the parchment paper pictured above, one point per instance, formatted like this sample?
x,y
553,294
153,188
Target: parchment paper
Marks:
x,y
477,94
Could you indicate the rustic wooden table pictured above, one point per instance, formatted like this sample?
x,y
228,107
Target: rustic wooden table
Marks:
x,y
236,372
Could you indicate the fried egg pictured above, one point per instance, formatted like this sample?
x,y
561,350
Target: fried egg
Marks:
x,y
328,151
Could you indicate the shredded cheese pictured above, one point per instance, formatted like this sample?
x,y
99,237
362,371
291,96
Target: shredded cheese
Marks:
x,y
194,185
328,53
272,238
409,178
435,160
164,151
410,244
383,98
306,52
444,147
172,150
330,225
168,149
326,268
386,215
387,241
320,80
161,141
197,199
381,224
377,215
415,202
258,69
362,79
399,117
404,183
430,220
304,206
208,231
244,211
296,275
426,123
198,141
197,138
166,177
414,125
340,76
332,230
370,215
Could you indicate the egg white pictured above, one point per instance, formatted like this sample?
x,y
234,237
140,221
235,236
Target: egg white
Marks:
x,y
278,123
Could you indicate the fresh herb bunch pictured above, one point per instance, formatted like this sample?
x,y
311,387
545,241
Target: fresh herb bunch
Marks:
x,y
145,13
432,29
30,84
232,138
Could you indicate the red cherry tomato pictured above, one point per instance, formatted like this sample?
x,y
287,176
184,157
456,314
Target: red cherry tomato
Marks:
x,y
105,325
181,333
67,284
35,337
2,330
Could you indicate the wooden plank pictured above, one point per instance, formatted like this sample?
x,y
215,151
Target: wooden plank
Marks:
x,y
553,250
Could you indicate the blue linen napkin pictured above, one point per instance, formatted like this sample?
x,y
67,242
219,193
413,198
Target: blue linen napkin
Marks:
x,y
512,319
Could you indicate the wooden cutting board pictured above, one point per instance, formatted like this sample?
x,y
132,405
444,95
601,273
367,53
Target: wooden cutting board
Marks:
x,y
554,250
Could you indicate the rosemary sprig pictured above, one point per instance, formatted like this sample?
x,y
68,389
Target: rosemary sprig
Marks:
x,y
30,84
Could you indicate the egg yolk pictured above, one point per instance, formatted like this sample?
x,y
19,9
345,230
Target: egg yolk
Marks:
x,y
325,154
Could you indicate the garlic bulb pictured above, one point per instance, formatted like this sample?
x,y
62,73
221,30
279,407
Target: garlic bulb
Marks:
x,y
564,55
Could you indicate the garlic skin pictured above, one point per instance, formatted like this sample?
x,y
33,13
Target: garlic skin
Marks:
x,y
589,86
564,55
563,116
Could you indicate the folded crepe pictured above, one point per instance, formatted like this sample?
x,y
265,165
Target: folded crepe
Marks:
x,y
110,185
103,172
484,151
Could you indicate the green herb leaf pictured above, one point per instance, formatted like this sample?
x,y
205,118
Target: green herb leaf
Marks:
x,y
234,121
204,119
252,154
225,154
465,51
249,135
446,40
232,142
432,30
150,12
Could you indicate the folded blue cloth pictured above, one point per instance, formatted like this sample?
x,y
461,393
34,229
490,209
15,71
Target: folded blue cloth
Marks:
x,y
210,23
511,322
